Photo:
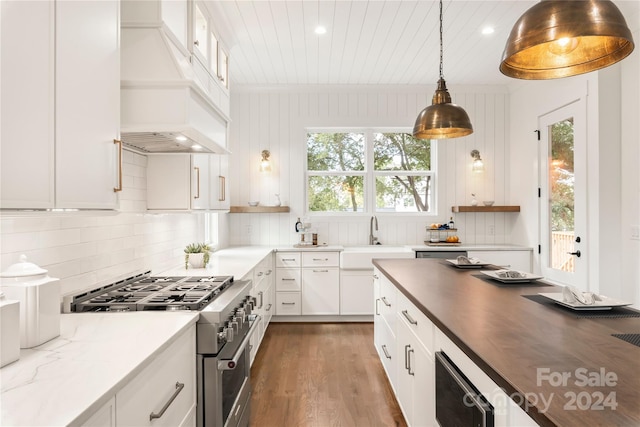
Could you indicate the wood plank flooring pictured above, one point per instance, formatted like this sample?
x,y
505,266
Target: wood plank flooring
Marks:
x,y
321,375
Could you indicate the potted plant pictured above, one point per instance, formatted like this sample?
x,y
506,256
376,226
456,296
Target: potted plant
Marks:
x,y
196,255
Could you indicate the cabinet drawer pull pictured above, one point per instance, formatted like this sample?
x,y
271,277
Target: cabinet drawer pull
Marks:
x,y
384,300
321,259
288,303
405,313
288,259
260,273
386,353
320,271
268,308
179,387
411,372
261,294
269,272
377,312
406,357
119,187
288,280
223,188
375,276
197,169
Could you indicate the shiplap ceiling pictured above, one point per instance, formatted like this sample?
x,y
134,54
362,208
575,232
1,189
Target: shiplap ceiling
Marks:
x,y
368,42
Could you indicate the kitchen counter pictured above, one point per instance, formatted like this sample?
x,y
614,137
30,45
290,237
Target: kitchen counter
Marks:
x,y
234,261
472,247
65,380
524,346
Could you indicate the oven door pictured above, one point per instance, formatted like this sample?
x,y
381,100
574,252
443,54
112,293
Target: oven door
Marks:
x,y
224,389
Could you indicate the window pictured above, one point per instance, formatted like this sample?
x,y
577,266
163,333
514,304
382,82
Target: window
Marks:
x,y
370,171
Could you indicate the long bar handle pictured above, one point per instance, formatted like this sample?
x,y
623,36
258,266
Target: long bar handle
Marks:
x,y
179,387
223,188
384,300
119,187
405,313
409,358
197,169
386,353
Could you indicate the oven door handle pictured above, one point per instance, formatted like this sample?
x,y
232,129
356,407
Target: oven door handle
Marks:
x,y
230,364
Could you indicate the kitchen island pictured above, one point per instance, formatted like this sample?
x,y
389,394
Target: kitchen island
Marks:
x,y
563,369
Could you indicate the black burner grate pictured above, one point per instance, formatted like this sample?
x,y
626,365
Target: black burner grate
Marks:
x,y
630,338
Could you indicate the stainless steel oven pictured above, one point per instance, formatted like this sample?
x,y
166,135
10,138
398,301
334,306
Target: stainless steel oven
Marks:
x,y
223,350
223,332
458,401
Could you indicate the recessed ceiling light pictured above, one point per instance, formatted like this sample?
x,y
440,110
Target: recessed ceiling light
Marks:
x,y
320,30
196,147
488,30
181,138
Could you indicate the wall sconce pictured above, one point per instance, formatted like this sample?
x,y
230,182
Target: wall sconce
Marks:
x,y
478,164
265,163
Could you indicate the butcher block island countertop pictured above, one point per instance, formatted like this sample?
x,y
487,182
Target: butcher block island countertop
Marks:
x,y
511,337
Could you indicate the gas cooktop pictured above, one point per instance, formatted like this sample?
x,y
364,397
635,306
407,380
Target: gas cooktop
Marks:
x,y
142,293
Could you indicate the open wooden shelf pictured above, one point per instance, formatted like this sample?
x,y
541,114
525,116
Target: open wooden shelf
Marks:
x,y
457,209
258,209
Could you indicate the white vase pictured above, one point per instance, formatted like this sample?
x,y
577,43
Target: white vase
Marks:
x,y
196,260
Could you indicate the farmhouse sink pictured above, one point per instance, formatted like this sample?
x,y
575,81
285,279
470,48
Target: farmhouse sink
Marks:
x,y
359,257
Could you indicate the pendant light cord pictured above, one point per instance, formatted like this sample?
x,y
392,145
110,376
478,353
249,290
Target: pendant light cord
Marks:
x,y
440,38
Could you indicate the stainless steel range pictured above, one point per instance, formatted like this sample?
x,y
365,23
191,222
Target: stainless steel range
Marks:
x,y
223,332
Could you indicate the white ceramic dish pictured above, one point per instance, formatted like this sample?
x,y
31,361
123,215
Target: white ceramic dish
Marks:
x,y
455,263
605,303
527,277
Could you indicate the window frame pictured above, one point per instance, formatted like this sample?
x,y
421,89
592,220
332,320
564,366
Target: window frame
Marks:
x,y
370,175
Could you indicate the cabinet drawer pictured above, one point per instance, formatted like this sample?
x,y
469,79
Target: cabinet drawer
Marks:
x,y
387,304
288,304
417,322
320,259
150,390
288,259
386,348
288,279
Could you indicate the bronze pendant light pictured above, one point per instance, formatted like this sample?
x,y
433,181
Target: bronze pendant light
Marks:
x,y
559,38
442,119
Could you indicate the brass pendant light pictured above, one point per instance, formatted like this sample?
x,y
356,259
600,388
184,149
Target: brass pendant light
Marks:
x,y
442,119
559,38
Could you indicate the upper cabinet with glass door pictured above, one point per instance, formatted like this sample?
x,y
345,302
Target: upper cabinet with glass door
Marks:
x,y
210,60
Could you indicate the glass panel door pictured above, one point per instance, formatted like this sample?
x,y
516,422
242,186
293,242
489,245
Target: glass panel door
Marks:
x,y
563,195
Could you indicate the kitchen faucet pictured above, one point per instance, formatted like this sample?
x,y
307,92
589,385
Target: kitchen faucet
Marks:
x,y
373,240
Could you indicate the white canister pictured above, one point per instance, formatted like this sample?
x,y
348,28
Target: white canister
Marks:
x,y
9,330
39,297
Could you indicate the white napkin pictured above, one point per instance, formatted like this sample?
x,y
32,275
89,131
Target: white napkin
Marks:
x,y
463,260
573,295
510,274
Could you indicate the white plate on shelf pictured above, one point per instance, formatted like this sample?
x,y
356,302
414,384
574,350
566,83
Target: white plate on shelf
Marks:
x,y
606,303
526,277
455,263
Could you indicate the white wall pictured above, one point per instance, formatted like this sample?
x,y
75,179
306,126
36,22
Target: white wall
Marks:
x,y
276,119
84,249
613,154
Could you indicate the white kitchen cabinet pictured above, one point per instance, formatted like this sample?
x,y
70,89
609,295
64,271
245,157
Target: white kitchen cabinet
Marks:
x,y
515,260
58,128
172,372
383,336
183,182
320,291
262,289
356,292
415,387
219,187
103,417
320,283
288,283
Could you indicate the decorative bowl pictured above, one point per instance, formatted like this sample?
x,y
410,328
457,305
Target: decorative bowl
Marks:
x,y
488,203
254,204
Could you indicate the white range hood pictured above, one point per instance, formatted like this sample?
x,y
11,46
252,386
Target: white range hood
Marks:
x,y
163,107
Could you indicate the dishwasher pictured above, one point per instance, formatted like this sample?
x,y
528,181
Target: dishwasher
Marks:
x,y
446,254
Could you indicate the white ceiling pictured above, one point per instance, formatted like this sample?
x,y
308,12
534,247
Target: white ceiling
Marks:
x,y
369,42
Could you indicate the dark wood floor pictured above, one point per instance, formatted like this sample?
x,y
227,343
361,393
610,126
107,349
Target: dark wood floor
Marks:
x,y
321,375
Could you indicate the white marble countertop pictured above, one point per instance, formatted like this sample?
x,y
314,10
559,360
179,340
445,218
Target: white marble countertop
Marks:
x,y
65,380
234,261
